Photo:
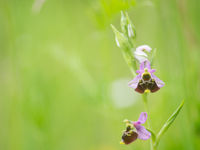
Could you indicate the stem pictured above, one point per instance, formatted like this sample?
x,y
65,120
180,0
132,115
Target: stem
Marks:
x,y
145,100
130,61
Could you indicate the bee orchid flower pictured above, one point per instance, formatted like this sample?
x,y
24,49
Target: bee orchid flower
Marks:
x,y
146,81
134,130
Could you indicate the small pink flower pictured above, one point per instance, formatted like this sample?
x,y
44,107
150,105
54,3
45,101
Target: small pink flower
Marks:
x,y
140,53
130,135
146,80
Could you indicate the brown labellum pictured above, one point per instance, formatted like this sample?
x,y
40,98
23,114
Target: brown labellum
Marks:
x,y
129,136
147,84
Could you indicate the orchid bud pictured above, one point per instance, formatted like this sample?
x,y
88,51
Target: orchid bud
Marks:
x,y
131,28
127,26
121,40
141,53
124,24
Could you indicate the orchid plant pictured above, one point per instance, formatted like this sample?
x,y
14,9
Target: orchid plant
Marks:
x,y
144,82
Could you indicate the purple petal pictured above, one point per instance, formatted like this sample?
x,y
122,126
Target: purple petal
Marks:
x,y
143,117
147,64
133,83
152,70
159,82
142,65
137,71
143,134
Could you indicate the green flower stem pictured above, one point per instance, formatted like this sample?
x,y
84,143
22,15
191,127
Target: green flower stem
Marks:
x,y
145,100
130,61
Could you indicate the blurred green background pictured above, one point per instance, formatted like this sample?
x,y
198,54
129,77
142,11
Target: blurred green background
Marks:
x,y
64,81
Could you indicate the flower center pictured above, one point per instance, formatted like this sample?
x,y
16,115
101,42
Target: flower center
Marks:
x,y
146,76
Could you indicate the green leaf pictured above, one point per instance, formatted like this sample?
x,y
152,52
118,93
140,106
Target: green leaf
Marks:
x,y
168,123
153,135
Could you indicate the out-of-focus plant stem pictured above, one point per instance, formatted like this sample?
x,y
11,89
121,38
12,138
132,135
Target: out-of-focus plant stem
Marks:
x,y
145,100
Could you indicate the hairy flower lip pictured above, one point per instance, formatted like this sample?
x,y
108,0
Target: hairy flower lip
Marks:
x,y
129,137
146,76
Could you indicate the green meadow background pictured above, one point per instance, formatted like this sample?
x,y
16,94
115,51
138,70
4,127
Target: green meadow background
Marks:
x,y
63,80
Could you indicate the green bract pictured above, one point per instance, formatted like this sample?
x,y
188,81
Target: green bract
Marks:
x,y
124,44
